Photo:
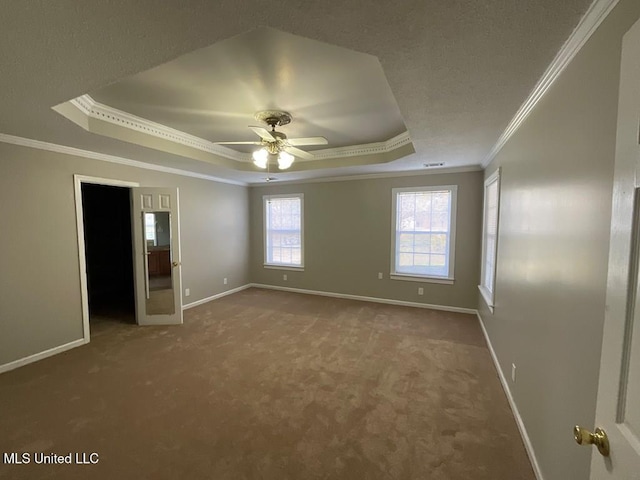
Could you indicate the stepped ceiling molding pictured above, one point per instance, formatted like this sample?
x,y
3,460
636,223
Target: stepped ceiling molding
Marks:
x,y
211,95
393,88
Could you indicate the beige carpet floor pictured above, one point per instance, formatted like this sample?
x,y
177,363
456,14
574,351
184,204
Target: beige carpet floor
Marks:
x,y
269,385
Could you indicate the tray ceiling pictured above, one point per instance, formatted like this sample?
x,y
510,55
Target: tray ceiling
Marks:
x,y
212,94
458,70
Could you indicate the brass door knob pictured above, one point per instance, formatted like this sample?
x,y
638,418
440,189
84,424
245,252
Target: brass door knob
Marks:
x,y
599,439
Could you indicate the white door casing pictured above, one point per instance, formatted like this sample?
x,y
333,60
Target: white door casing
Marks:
x,y
78,180
618,406
159,201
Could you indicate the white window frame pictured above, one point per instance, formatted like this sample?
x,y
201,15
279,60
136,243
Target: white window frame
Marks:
x,y
488,291
283,266
449,278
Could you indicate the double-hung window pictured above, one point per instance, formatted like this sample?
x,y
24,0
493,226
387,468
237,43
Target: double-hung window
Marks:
x,y
283,230
423,239
490,237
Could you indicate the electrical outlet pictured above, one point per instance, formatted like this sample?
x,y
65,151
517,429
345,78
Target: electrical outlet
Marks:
x,y
420,291
284,277
187,292
224,281
379,275
513,372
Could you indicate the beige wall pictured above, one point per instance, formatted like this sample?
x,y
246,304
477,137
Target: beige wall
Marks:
x,y
348,239
557,173
39,278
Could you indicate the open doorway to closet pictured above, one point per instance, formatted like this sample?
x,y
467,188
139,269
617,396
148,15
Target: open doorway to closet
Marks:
x,y
107,282
108,253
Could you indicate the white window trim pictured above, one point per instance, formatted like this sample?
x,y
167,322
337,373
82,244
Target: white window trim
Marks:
x,y
278,266
489,295
283,266
424,278
449,279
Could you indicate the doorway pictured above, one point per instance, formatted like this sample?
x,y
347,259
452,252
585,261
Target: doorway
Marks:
x,y
108,253
105,254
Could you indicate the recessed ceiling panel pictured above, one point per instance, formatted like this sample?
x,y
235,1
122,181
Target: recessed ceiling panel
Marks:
x,y
213,93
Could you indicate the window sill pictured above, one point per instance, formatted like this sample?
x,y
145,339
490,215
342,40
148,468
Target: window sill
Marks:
x,y
295,268
487,297
415,278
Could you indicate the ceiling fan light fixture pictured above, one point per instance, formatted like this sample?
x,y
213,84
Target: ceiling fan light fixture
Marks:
x,y
260,158
276,144
284,160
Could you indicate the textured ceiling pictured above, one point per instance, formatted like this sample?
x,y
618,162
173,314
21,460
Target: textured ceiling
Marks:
x,y
459,70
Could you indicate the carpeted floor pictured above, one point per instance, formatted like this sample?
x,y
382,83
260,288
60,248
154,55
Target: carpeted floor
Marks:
x,y
269,385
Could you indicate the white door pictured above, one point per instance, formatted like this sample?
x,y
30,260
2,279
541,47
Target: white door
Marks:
x,y
156,240
618,408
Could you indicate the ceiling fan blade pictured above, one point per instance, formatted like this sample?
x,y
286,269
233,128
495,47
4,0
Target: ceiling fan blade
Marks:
x,y
238,143
307,141
263,133
296,152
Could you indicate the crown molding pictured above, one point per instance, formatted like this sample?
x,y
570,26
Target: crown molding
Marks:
x,y
370,176
86,105
77,152
366,149
589,23
100,111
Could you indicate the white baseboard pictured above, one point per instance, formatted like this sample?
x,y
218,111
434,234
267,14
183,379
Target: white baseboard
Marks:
x,y
76,343
42,355
216,296
389,301
514,408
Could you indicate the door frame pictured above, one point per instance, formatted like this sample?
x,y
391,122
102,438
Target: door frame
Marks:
x,y
78,180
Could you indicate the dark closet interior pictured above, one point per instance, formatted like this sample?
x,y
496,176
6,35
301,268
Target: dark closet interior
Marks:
x,y
109,253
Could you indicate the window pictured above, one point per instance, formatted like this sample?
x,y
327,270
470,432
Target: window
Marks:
x,y
490,237
150,228
424,233
283,232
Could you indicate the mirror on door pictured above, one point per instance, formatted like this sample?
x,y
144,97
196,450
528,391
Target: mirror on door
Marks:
x,y
157,237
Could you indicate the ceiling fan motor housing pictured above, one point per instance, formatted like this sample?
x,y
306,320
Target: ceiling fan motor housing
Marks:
x,y
274,118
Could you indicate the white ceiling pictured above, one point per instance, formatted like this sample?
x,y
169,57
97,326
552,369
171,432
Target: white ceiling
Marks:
x,y
213,93
458,70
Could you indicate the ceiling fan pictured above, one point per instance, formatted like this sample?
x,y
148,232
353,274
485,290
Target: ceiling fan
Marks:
x,y
277,143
